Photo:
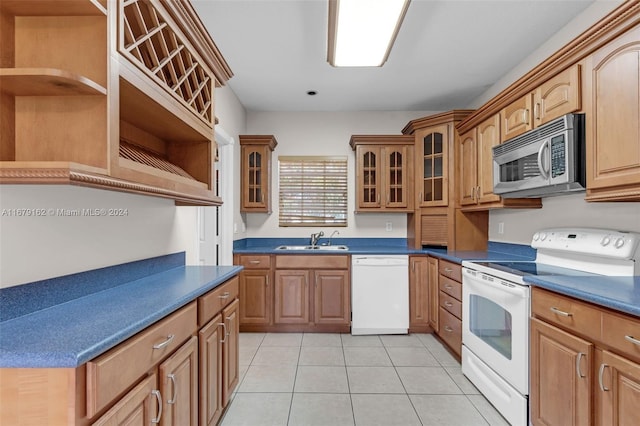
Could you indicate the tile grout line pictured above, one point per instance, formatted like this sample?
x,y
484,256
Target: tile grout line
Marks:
x,y
344,358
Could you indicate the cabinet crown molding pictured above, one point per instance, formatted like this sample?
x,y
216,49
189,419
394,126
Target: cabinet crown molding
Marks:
x,y
455,115
380,140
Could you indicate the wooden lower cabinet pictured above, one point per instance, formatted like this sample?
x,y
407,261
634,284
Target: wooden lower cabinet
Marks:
x,y
179,386
138,408
255,300
179,371
584,371
618,393
332,304
449,326
561,365
291,297
423,294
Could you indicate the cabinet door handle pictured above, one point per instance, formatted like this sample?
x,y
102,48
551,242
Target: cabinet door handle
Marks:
x,y
158,396
478,193
525,116
600,374
421,196
172,377
224,296
578,359
267,284
559,312
224,332
632,340
165,343
473,193
448,329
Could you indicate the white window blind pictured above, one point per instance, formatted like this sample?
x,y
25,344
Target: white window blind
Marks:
x,y
313,191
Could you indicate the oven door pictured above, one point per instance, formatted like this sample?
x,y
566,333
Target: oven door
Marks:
x,y
495,325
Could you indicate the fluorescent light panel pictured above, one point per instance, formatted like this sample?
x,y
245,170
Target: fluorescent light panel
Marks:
x,y
361,32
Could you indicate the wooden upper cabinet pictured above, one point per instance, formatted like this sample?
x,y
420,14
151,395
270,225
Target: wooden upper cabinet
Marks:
x,y
555,97
255,165
558,96
384,172
467,163
134,112
516,118
613,125
475,170
432,166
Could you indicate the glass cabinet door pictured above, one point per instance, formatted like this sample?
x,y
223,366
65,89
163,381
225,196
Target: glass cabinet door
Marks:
x,y
254,169
369,158
433,190
396,170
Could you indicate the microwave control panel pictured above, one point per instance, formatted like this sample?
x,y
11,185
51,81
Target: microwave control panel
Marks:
x,y
558,156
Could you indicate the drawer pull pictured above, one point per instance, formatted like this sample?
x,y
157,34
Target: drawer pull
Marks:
x,y
448,304
165,343
632,340
578,359
172,377
448,329
224,332
600,374
158,396
559,312
448,287
224,296
448,270
254,262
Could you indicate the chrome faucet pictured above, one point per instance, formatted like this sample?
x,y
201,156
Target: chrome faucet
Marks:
x,y
315,238
331,236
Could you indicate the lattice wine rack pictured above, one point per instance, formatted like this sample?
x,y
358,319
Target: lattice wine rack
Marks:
x,y
147,39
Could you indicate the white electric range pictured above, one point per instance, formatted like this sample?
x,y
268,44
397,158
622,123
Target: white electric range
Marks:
x,y
496,306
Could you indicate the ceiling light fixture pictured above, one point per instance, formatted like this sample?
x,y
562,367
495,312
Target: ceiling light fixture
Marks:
x,y
362,32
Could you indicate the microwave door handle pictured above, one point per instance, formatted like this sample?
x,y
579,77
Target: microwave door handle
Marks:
x,y
543,172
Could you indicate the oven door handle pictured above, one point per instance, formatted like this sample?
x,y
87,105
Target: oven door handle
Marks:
x,y
496,284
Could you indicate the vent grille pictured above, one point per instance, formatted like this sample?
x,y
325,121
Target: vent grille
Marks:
x,y
544,131
148,41
148,158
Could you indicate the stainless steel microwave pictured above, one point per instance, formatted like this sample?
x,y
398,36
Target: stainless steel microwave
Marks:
x,y
546,161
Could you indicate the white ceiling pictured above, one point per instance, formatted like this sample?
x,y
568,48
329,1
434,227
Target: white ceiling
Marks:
x,y
447,53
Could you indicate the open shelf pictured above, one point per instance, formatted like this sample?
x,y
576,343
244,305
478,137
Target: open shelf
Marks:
x,y
54,7
46,82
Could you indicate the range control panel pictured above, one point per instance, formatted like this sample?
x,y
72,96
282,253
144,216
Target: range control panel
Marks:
x,y
590,241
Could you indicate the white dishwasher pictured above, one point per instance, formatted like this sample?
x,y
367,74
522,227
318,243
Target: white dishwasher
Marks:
x,y
379,294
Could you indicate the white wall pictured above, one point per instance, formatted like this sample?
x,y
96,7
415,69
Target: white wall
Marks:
x,y
38,247
326,133
569,210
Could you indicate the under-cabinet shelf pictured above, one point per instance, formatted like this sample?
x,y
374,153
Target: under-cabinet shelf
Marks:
x,y
46,82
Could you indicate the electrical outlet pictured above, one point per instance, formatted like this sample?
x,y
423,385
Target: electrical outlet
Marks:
x,y
500,227
388,226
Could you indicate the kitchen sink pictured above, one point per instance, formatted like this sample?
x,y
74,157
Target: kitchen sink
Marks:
x,y
314,248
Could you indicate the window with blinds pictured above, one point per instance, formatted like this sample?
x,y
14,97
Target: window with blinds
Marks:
x,y
313,191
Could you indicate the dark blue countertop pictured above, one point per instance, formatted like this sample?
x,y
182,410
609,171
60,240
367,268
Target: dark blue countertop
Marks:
x,y
617,293
69,333
496,251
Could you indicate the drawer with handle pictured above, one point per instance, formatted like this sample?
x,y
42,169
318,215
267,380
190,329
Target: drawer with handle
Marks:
x,y
213,302
114,371
566,312
255,261
451,331
450,270
451,287
622,333
450,304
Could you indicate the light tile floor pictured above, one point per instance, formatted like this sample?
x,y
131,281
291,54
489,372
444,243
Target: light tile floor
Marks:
x,y
339,379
